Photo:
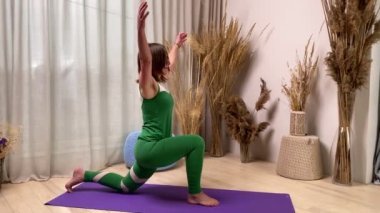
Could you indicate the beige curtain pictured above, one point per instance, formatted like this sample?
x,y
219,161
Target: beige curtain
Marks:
x,y
171,16
67,77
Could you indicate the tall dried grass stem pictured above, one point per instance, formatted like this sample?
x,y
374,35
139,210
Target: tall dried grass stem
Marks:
x,y
302,78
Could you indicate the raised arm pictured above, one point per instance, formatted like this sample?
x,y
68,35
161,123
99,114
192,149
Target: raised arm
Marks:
x,y
146,81
181,38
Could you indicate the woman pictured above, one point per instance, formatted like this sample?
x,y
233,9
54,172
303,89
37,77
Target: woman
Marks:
x,y
155,147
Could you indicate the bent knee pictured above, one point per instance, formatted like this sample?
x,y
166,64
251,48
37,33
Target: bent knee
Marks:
x,y
198,141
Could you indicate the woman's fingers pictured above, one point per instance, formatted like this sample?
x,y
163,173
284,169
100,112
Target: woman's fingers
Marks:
x,y
184,37
183,34
142,6
144,17
143,13
142,10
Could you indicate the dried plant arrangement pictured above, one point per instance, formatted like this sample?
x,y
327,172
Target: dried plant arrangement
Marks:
x,y
240,122
9,138
188,93
352,29
189,109
302,77
189,99
222,52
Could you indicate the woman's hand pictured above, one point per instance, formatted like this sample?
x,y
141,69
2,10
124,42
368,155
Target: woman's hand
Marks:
x,y
179,41
181,38
142,14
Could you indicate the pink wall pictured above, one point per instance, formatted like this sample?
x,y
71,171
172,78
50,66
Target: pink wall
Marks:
x,y
291,22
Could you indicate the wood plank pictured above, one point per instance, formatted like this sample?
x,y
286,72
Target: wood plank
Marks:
x,y
4,206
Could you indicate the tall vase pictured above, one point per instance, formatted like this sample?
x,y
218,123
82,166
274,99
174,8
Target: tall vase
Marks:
x,y
244,153
342,173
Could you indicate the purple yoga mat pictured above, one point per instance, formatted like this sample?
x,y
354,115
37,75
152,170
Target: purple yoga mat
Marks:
x,y
165,198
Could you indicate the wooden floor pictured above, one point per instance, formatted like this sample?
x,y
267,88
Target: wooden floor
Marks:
x,y
221,173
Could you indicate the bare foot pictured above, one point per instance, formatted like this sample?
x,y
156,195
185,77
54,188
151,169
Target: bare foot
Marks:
x,y
78,176
202,199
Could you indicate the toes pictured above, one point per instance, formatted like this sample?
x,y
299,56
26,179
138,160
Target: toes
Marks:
x,y
68,188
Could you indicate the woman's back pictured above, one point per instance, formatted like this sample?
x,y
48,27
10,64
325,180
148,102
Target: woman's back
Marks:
x,y
157,117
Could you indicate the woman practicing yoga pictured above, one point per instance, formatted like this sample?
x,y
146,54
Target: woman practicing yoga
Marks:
x,y
155,146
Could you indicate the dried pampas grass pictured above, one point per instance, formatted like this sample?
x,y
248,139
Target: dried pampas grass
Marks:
x,y
302,77
189,97
189,107
240,122
352,29
222,52
264,96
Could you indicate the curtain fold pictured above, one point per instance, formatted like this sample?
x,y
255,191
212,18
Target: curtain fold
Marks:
x,y
67,77
373,160
376,162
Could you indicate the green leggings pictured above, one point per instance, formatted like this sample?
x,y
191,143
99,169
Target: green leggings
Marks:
x,y
151,155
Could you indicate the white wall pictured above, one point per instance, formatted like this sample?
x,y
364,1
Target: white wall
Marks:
x,y
291,22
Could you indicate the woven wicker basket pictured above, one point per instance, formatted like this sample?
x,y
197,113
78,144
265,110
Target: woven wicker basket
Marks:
x,y
300,158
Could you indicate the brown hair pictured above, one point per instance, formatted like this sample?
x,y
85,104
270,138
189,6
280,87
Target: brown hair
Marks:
x,y
159,60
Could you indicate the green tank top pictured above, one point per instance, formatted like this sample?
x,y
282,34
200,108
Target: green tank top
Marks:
x,y
157,117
